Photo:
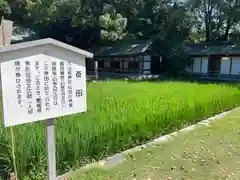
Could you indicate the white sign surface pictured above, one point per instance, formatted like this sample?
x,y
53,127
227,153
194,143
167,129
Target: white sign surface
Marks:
x,y
41,87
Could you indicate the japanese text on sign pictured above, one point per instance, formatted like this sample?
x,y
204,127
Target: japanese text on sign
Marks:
x,y
62,77
54,81
38,91
18,83
43,88
70,101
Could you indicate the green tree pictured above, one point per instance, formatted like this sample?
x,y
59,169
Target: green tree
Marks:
x,y
4,8
216,18
87,22
112,24
173,36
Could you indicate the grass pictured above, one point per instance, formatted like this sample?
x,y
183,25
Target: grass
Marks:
x,y
120,115
206,153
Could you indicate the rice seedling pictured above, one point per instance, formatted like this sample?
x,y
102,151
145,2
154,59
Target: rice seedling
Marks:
x,y
120,115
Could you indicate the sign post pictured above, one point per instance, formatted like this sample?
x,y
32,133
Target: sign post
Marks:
x,y
50,148
42,80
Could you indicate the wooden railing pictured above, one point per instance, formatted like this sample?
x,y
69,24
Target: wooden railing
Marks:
x,y
209,75
212,73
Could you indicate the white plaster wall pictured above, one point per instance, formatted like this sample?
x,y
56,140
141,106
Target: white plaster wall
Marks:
x,y
225,66
197,65
147,64
204,65
147,58
235,65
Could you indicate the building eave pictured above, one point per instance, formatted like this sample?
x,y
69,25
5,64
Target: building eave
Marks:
x,y
46,41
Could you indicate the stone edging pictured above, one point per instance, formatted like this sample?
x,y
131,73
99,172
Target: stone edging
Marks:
x,y
119,157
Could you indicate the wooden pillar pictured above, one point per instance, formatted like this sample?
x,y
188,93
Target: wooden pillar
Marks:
x,y
192,64
6,32
201,65
122,59
230,70
112,69
138,70
96,69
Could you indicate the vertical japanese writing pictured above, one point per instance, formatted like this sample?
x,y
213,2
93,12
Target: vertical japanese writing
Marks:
x,y
38,92
28,74
62,83
70,100
54,81
79,92
78,74
28,79
46,86
18,83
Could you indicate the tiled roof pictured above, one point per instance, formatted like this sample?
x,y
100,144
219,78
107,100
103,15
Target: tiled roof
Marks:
x,y
122,49
220,48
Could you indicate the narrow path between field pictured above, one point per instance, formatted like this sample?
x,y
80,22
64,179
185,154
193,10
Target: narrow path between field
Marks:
x,y
211,152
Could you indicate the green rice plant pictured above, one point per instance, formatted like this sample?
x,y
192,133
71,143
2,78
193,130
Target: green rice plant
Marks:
x,y
120,115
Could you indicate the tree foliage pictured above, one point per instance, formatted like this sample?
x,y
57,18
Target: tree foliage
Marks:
x,y
112,24
216,18
171,24
4,8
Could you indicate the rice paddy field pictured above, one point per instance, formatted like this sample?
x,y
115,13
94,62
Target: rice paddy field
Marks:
x,y
121,114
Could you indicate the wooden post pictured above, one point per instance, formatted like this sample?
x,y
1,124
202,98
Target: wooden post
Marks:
x,y
96,69
6,27
123,68
50,148
1,33
6,32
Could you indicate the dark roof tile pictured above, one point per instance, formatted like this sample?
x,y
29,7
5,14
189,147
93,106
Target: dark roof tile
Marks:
x,y
213,49
122,49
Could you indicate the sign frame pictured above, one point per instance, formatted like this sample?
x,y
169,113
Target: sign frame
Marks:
x,y
49,122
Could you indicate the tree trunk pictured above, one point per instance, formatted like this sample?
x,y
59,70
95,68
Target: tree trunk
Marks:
x,y
207,29
225,37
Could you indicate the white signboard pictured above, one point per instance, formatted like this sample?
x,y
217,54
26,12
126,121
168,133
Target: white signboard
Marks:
x,y
41,87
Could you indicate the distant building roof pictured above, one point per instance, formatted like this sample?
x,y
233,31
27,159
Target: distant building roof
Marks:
x,y
122,49
214,48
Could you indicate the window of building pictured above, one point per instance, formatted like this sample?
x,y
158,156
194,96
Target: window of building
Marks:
x,y
133,65
115,65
